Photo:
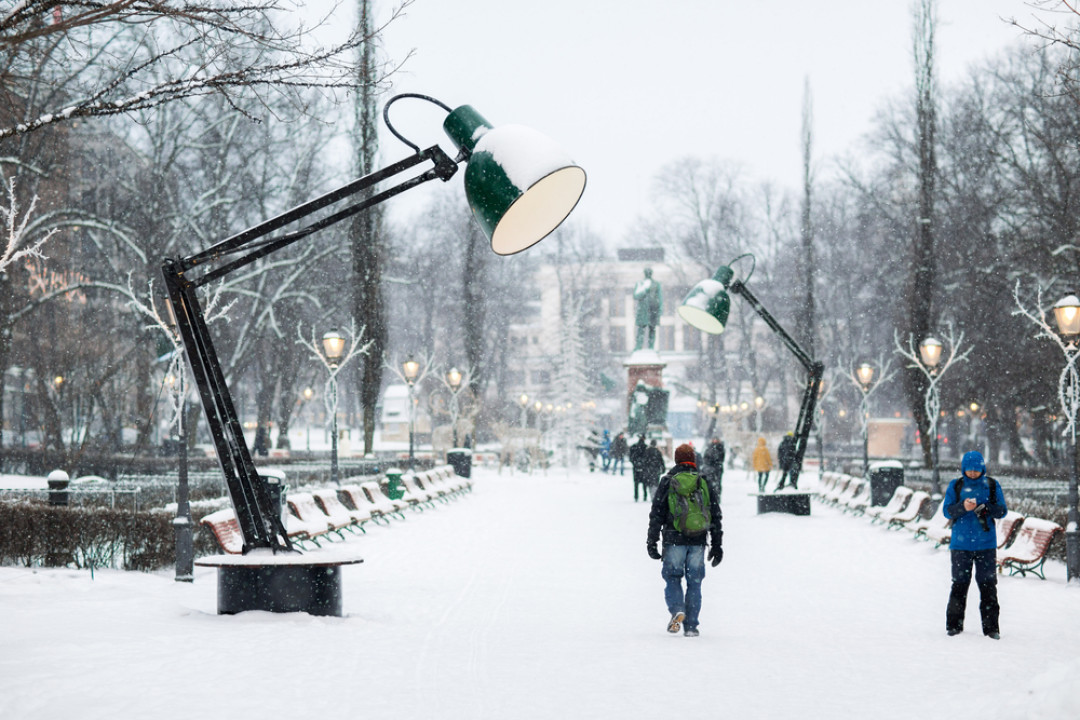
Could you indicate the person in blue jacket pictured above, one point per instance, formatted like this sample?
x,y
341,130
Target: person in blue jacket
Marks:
x,y
973,501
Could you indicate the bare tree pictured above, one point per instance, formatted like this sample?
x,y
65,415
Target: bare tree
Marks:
x,y
62,61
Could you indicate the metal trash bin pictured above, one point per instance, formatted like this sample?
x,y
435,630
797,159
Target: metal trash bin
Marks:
x,y
278,490
885,477
58,487
461,460
394,489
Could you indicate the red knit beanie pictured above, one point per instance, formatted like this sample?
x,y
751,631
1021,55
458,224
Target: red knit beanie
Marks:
x,y
684,454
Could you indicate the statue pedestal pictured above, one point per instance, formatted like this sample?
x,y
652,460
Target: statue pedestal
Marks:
x,y
646,366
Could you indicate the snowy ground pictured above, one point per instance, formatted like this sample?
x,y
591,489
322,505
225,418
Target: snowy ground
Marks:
x,y
533,598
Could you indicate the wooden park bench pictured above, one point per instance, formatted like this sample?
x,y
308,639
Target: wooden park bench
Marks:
x,y
936,528
859,500
341,517
354,497
375,493
226,530
911,513
307,522
899,499
1027,553
1007,527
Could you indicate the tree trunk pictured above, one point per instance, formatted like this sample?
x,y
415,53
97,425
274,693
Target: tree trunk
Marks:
x,y
368,252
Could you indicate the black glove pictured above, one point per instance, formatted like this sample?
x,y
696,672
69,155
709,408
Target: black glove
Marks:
x,y
716,554
653,552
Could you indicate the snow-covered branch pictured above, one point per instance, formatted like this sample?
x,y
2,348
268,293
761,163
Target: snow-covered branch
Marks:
x,y
15,247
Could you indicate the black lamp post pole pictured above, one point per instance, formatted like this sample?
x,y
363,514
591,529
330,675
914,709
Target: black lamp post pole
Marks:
x,y
185,545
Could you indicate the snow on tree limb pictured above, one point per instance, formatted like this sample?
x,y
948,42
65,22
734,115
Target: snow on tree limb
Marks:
x,y
169,51
15,248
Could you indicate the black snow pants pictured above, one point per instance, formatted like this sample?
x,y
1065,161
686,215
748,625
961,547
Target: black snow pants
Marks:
x,y
985,565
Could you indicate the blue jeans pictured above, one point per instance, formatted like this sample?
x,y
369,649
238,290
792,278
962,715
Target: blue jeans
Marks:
x,y
680,560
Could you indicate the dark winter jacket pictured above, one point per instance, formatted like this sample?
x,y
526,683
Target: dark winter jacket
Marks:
x,y
638,458
973,529
654,465
618,447
714,461
785,454
662,524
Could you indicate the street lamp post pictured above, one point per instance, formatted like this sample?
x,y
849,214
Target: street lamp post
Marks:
x,y
928,360
411,370
1067,317
333,344
453,381
930,353
864,376
523,401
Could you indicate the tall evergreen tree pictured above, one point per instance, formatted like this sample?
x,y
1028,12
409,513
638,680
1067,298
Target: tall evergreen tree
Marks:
x,y
366,236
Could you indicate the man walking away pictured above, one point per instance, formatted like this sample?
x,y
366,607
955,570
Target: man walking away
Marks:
x,y
618,454
684,515
785,454
714,465
973,502
654,466
638,464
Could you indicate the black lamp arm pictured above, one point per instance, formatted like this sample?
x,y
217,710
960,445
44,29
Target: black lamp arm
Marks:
x,y
260,523
814,369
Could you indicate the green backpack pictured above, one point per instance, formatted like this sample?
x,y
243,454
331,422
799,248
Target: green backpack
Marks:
x,y
688,500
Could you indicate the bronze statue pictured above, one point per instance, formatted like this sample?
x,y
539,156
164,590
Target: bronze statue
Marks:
x,y
649,305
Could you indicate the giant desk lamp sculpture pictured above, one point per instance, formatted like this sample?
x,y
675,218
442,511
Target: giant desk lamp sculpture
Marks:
x,y
707,306
520,187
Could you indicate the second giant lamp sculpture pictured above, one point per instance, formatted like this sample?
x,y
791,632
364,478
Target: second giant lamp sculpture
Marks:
x,y
707,307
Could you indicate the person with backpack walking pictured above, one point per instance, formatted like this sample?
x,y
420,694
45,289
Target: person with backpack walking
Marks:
x,y
685,516
762,463
972,503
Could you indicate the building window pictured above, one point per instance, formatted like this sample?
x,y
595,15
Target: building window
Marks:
x,y
666,339
541,377
618,339
691,338
616,303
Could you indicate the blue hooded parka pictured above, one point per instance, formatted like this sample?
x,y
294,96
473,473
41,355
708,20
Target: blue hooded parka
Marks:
x,y
968,532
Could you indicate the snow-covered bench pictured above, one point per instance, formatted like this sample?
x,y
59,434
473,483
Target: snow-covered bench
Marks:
x,y
340,516
226,530
911,513
1027,553
937,528
899,499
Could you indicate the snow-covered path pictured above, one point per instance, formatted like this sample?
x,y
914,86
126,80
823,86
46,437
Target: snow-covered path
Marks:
x,y
533,598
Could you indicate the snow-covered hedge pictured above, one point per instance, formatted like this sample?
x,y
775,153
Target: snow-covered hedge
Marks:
x,y
37,534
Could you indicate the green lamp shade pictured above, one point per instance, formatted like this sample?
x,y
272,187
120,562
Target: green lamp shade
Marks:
x,y
706,307
519,183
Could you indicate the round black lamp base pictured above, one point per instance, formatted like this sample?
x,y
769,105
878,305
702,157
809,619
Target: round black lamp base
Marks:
x,y
297,584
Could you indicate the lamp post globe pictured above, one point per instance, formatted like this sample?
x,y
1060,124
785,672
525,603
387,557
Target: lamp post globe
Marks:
x,y
333,344
930,352
1067,317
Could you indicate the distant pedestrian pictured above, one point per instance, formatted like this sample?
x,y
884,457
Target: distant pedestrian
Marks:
x,y
972,502
785,455
654,465
639,463
713,464
618,454
605,451
684,516
762,463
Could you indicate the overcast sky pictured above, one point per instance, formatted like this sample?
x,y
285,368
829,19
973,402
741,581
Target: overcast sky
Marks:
x,y
629,86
